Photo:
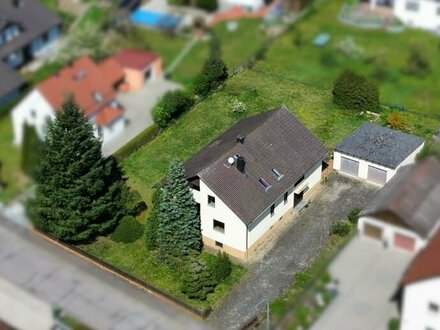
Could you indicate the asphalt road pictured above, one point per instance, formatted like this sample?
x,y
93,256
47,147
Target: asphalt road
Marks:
x,y
93,296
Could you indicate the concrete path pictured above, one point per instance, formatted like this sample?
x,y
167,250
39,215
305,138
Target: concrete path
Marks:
x,y
138,106
368,275
298,244
91,295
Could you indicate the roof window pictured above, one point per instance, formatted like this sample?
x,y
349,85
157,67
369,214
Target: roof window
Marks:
x,y
277,174
264,183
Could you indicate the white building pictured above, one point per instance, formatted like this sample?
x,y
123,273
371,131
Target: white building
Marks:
x,y
247,179
375,153
420,290
424,14
406,212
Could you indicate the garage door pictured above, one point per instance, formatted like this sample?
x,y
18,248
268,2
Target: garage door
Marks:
x,y
372,231
349,166
377,175
404,242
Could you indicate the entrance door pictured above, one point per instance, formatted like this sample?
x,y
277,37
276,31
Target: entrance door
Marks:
x,y
297,198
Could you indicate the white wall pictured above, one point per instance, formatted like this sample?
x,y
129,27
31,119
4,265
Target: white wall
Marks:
x,y
415,310
426,17
363,164
33,110
110,132
22,310
246,4
389,232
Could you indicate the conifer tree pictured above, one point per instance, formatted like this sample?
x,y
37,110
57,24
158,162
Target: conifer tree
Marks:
x,y
152,221
197,281
78,191
178,231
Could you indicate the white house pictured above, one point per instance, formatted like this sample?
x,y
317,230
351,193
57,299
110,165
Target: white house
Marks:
x,y
424,14
406,212
375,153
250,5
420,290
247,179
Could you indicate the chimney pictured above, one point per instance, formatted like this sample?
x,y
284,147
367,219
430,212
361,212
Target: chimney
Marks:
x,y
240,139
17,3
241,164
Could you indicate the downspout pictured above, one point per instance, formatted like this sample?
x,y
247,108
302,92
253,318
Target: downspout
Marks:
x,y
247,233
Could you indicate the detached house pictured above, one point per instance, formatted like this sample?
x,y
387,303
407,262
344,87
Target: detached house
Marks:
x,y
26,28
248,178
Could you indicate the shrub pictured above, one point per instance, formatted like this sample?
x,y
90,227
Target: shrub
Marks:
x,y
302,279
209,5
395,120
171,106
30,151
432,149
417,64
133,202
220,267
129,230
353,216
349,48
298,39
238,107
328,58
340,228
214,73
393,324
152,221
197,281
352,91
137,142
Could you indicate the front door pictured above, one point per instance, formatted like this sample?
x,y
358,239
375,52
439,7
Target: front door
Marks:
x,y
297,198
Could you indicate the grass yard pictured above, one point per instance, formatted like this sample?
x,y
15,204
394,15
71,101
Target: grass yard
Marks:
x,y
136,260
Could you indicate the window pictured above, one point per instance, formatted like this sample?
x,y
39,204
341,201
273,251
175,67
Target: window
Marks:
x,y
412,6
277,174
33,113
219,226
433,307
219,244
211,200
272,210
286,196
195,187
98,97
299,181
264,184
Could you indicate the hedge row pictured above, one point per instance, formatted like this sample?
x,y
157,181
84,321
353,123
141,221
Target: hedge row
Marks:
x,y
139,141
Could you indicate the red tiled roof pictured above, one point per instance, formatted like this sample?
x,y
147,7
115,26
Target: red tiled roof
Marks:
x,y
81,80
135,59
426,264
107,116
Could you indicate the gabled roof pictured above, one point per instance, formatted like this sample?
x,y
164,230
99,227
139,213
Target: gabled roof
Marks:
x,y
379,145
272,140
32,17
83,80
413,195
426,264
135,59
9,80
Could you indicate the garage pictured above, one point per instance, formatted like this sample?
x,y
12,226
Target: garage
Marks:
x,y
373,231
376,175
349,166
404,242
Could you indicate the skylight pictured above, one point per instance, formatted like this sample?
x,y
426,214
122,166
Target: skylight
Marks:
x,y
277,174
264,183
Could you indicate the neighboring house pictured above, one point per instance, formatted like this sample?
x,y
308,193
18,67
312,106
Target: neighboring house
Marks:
x,y
420,294
26,28
406,211
249,177
250,5
375,153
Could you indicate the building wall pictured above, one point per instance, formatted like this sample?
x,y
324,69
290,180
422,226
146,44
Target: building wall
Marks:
x,y
363,164
136,78
389,232
426,17
33,110
22,310
415,310
246,4
110,132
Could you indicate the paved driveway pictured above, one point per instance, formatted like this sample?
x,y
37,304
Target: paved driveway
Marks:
x,y
368,276
98,299
300,241
138,106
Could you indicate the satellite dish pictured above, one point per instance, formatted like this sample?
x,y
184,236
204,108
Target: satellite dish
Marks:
x,y
231,160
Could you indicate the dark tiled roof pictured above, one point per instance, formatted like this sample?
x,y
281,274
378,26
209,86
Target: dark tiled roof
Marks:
x,y
9,80
33,18
379,145
413,195
273,140
426,264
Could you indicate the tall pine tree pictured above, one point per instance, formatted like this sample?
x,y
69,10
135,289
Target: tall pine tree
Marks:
x,y
78,193
178,231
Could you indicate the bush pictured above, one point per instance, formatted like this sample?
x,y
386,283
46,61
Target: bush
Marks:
x,y
30,151
137,142
238,107
340,228
352,91
432,149
220,267
152,221
395,120
197,281
214,73
328,58
417,64
171,106
133,202
302,279
394,324
209,5
350,48
129,230
353,216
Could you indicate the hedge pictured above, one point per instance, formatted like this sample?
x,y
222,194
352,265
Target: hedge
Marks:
x,y
137,142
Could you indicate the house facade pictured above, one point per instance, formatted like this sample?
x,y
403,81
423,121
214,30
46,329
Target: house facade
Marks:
x,y
375,153
423,14
405,214
251,177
